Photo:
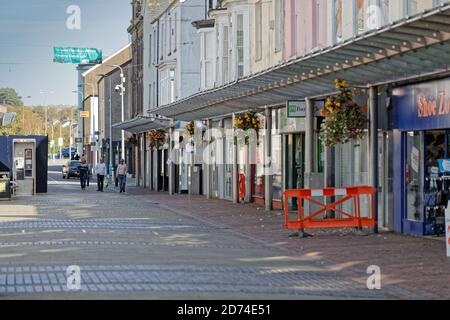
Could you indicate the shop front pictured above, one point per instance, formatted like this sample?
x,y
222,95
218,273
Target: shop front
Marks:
x,y
421,121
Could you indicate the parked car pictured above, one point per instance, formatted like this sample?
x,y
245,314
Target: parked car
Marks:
x,y
70,169
66,151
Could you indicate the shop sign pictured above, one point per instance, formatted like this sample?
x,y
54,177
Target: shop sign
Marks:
x,y
296,109
444,165
84,114
423,106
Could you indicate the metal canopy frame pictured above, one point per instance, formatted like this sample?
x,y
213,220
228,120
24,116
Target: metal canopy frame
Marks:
x,y
142,124
409,49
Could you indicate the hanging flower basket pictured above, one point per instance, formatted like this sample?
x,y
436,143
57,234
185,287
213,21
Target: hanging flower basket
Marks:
x,y
344,118
246,121
190,127
157,137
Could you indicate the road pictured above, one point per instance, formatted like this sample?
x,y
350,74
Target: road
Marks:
x,y
131,247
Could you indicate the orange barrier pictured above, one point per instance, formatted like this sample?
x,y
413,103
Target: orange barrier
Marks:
x,y
314,221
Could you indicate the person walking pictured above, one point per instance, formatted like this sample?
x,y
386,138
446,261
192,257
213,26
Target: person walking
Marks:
x,y
83,169
100,171
122,175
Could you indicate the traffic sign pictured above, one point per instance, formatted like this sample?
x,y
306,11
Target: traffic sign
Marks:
x,y
60,142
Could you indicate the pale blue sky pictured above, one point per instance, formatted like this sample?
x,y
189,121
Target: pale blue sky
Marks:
x,y
30,28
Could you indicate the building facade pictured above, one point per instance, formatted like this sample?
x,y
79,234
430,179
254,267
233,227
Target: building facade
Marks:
x,y
256,56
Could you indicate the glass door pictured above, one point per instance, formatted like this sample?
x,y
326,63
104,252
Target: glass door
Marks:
x,y
294,166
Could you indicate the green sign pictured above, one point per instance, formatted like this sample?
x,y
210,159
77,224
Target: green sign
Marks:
x,y
296,109
77,55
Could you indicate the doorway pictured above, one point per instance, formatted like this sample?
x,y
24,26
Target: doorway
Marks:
x,y
295,163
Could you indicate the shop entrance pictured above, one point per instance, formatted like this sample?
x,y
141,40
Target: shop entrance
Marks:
x,y
295,163
427,181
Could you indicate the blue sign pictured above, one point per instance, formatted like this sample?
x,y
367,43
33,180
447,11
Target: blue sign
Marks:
x,y
422,106
444,165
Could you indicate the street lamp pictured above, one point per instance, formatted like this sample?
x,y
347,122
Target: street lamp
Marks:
x,y
111,168
121,89
45,93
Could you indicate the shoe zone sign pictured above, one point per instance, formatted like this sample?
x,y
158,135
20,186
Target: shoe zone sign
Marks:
x,y
423,106
77,55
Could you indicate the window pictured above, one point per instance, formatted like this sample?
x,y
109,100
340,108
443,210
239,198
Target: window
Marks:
x,y
170,35
240,45
293,27
278,25
225,76
316,25
337,21
167,86
172,85
150,101
360,19
175,33
411,7
258,30
150,48
377,13
163,42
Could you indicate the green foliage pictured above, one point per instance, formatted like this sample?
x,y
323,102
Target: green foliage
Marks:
x,y
10,96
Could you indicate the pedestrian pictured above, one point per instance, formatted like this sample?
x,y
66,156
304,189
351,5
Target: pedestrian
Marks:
x,y
83,169
100,171
122,174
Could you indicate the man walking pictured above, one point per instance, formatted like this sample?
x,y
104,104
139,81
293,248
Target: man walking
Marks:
x,y
83,169
100,170
122,174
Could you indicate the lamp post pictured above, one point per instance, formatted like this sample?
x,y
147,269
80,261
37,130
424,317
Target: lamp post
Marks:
x,y
111,167
45,93
23,116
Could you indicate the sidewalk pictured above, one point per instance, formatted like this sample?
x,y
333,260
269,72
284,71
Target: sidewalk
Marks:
x,y
413,267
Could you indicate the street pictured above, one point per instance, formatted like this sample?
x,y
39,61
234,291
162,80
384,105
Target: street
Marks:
x,y
132,247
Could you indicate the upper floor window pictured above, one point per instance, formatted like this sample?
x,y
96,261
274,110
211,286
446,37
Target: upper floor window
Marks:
x,y
258,30
240,45
411,7
225,48
278,25
167,86
150,49
360,16
337,21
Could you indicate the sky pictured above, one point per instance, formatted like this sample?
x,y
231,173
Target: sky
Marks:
x,y
29,29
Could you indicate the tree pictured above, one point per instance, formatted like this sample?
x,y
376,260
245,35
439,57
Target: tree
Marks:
x,y
10,96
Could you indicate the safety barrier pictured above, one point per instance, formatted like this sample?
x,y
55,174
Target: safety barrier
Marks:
x,y
315,221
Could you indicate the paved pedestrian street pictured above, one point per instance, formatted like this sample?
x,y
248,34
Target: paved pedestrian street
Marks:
x,y
130,246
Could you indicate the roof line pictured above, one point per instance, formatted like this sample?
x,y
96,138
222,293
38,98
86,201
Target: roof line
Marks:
x,y
106,60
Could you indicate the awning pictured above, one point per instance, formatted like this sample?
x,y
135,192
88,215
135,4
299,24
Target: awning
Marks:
x,y
142,124
415,47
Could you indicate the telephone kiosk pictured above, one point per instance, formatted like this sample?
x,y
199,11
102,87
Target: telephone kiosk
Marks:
x,y
24,166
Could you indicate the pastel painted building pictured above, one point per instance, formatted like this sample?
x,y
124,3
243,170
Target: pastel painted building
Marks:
x,y
267,36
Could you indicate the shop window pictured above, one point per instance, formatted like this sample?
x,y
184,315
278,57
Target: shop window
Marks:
x,y
413,176
277,176
259,175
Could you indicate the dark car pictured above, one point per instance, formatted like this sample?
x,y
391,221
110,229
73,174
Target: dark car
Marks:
x,y
65,152
70,169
